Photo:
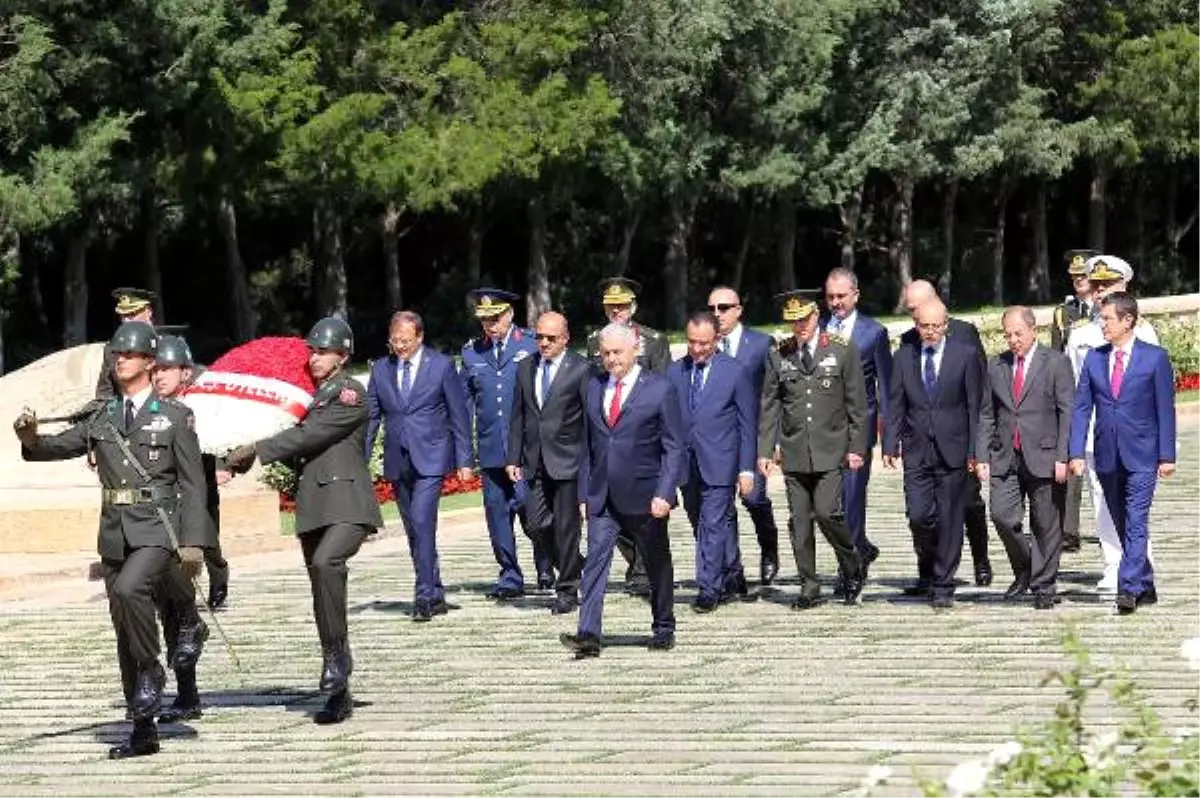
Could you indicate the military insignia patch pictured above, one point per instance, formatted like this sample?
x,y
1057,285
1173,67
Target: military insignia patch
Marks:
x,y
519,356
348,396
1080,323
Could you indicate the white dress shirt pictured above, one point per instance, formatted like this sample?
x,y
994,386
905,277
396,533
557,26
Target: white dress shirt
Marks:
x,y
138,398
1127,348
735,341
626,386
846,329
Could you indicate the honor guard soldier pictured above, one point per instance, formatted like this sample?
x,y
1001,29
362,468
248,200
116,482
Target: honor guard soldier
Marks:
x,y
336,508
133,304
148,459
489,375
814,409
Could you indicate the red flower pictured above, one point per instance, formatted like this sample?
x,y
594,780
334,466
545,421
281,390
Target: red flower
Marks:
x,y
1187,382
384,492
283,358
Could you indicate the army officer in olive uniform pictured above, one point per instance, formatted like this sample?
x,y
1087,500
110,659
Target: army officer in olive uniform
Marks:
x,y
814,408
133,304
336,507
152,503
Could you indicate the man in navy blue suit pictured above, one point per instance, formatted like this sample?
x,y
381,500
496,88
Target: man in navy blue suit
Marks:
x,y
1131,387
717,404
629,475
933,418
750,348
416,394
844,323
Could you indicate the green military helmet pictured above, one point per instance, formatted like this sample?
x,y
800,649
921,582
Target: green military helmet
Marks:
x,y
134,336
173,350
332,333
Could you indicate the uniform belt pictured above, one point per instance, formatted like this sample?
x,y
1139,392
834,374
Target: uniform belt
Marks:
x,y
122,496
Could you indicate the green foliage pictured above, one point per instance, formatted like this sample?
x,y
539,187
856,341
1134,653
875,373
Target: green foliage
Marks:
x,y
1180,336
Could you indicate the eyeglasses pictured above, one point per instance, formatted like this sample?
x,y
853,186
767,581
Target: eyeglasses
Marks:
x,y
547,338
721,307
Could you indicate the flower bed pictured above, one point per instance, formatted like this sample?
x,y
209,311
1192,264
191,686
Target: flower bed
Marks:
x,y
384,493
1187,382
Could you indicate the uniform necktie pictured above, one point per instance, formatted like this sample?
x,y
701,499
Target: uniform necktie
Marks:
x,y
1018,388
930,372
697,385
406,379
1118,374
499,350
806,359
128,416
614,407
545,382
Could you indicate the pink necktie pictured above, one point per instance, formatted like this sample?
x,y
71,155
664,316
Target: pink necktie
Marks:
x,y
1018,387
1118,375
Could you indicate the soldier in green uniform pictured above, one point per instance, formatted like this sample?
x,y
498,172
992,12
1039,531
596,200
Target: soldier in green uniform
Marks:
x,y
618,295
814,408
133,304
336,507
1075,309
152,506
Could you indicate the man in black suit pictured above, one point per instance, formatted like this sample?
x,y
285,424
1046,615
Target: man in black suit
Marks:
x,y
1023,429
545,443
918,293
933,417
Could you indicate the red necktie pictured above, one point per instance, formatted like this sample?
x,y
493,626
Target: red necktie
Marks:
x,y
1118,375
1018,387
614,407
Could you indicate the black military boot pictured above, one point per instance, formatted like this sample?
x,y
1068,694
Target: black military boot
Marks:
x,y
147,692
338,707
218,592
189,645
142,742
338,667
186,705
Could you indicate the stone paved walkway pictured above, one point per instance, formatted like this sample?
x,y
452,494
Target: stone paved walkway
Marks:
x,y
755,699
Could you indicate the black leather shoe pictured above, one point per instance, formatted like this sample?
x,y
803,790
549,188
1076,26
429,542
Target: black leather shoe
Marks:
x,y
983,573
1127,604
505,593
942,602
584,646
338,666
662,641
1044,601
839,585
217,594
1070,544
338,707
142,742
1148,599
637,587
190,645
179,712
1018,588
806,602
564,605
853,592
768,570
870,554
147,693
545,581
704,604
186,705
921,588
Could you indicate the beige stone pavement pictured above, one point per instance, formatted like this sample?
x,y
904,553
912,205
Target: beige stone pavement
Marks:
x,y
754,700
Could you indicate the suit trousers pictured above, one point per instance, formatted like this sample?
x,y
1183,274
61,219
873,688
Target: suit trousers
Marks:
x,y
1111,547
417,498
762,515
175,597
130,585
1070,524
504,502
935,496
326,552
975,520
654,546
710,511
817,496
854,499
1128,495
552,510
1036,555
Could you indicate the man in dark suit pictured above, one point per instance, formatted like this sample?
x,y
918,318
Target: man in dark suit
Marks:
x,y
1130,386
545,444
750,348
975,513
416,393
844,323
632,463
716,403
933,422
1023,426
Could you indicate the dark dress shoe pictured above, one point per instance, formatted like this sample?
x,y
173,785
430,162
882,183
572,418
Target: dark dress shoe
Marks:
x,y
921,588
662,641
637,587
942,602
839,585
217,594
853,592
142,742
584,646
147,693
1018,588
505,593
983,573
768,570
545,581
869,554
1147,599
338,667
1127,604
806,602
1044,601
424,609
190,645
564,605
186,705
704,604
177,712
338,707
1070,544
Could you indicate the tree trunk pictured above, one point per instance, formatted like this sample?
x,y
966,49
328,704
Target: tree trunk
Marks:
x,y
331,297
475,251
1175,230
628,233
1003,194
851,213
1098,205
240,308
10,260
1139,219
537,297
900,248
1037,282
739,265
949,206
389,223
683,214
151,228
75,288
785,254
37,301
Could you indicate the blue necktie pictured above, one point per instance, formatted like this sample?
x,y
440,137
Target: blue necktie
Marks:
x,y
930,373
697,385
499,350
725,344
835,325
545,381
406,380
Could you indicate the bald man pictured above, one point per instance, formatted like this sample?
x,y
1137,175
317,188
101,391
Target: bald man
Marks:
x,y
918,293
932,425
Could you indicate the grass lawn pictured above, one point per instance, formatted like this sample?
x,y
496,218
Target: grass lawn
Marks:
x,y
457,501
1187,397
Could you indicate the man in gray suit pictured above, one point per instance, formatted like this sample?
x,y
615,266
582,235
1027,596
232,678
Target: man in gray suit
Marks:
x,y
1023,429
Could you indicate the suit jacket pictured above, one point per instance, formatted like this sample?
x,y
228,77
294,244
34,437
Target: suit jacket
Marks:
x,y
875,351
640,457
489,386
1136,430
722,431
549,437
956,330
333,484
1043,413
944,430
752,354
430,424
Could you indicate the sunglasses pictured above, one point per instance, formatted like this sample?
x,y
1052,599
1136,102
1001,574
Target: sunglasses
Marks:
x,y
723,306
547,338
